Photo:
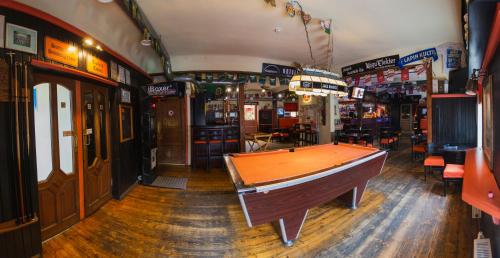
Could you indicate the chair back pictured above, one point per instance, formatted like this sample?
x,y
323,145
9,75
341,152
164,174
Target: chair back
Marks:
x,y
454,157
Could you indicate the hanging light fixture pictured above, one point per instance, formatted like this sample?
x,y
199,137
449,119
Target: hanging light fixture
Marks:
x,y
318,83
146,38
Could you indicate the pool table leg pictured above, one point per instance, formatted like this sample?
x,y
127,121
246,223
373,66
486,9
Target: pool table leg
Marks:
x,y
291,225
353,197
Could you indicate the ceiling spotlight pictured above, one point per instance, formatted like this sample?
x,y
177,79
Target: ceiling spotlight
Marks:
x,y
88,42
263,90
228,89
105,1
72,49
98,47
146,38
280,95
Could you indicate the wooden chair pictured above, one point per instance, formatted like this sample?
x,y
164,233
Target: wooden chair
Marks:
x,y
418,149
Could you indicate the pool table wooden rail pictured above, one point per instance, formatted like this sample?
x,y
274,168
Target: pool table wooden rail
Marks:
x,y
288,202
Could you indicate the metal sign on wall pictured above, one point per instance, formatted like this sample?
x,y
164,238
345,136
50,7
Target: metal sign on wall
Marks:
x,y
366,66
164,89
278,70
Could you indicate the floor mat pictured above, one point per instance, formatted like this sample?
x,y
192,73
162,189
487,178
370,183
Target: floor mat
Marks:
x,y
170,182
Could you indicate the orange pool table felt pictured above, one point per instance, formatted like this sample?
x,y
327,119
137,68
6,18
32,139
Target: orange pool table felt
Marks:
x,y
281,165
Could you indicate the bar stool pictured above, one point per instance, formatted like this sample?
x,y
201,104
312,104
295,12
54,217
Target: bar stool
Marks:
x,y
432,162
200,148
417,149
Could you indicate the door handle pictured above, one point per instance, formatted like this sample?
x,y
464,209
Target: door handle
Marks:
x,y
87,140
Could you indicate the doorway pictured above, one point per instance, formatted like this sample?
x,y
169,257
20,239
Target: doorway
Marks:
x,y
251,123
406,118
66,110
96,152
170,124
56,152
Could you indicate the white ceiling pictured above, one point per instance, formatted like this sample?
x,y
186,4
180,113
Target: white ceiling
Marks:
x,y
205,30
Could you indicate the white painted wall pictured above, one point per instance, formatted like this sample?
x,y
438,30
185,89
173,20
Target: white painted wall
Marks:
x,y
107,23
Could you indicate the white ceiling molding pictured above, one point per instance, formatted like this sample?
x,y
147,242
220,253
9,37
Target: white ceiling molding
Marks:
x,y
106,23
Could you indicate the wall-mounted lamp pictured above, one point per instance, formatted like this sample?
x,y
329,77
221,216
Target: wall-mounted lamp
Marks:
x,y
471,87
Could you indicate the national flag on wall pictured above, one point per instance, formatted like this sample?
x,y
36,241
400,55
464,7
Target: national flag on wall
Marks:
x,y
367,80
405,74
389,75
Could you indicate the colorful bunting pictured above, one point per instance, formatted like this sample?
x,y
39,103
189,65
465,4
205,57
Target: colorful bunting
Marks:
x,y
326,25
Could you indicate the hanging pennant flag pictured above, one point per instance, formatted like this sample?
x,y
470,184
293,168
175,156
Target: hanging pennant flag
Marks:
x,y
210,77
272,81
253,78
420,69
262,80
367,80
389,75
290,8
356,81
380,77
326,25
405,74
348,81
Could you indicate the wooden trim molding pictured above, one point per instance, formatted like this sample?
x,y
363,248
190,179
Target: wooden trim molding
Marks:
x,y
72,71
449,96
16,6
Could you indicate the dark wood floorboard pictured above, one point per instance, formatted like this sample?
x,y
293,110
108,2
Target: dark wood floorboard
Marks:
x,y
400,215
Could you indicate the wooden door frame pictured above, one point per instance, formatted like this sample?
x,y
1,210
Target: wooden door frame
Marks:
x,y
53,80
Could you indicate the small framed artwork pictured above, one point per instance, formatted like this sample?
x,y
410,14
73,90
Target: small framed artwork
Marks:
x,y
125,96
20,38
126,123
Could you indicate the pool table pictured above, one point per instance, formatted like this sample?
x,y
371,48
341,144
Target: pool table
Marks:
x,y
283,185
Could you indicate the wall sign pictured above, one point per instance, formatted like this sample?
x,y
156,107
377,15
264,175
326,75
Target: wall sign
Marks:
x,y
163,89
278,70
383,62
61,52
97,66
125,96
417,56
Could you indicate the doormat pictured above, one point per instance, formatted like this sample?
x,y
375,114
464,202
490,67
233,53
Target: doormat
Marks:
x,y
170,182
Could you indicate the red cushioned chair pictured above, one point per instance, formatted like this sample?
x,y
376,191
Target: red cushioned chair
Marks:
x,y
417,149
431,163
454,170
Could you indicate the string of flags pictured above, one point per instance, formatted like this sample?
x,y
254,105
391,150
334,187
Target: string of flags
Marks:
x,y
237,78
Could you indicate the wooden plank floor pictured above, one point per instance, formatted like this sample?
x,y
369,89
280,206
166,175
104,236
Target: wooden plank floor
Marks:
x,y
400,215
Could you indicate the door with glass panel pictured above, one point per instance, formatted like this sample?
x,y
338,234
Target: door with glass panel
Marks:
x,y
56,151
96,152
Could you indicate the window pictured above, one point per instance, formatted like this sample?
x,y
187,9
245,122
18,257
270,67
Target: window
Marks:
x,y
126,123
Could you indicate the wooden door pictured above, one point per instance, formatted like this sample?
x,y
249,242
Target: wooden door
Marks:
x,y
250,118
56,151
96,151
170,123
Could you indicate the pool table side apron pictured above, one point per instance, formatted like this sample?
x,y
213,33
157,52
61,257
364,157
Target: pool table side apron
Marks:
x,y
288,202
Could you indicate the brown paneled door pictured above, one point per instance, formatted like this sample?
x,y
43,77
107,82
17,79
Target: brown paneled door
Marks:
x,y
170,131
56,152
96,151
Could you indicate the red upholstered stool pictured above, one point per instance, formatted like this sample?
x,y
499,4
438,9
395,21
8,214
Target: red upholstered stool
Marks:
x,y
452,172
432,162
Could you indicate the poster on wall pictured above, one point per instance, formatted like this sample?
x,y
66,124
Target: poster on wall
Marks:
x,y
114,71
20,38
453,58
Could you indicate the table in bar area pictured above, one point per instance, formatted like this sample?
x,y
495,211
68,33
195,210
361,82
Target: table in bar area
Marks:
x,y
262,140
283,185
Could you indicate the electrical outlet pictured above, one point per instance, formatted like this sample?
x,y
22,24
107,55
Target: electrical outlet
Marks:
x,y
476,213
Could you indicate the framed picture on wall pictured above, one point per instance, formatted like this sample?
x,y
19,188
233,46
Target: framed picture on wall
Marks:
x,y
488,132
126,123
20,38
2,30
